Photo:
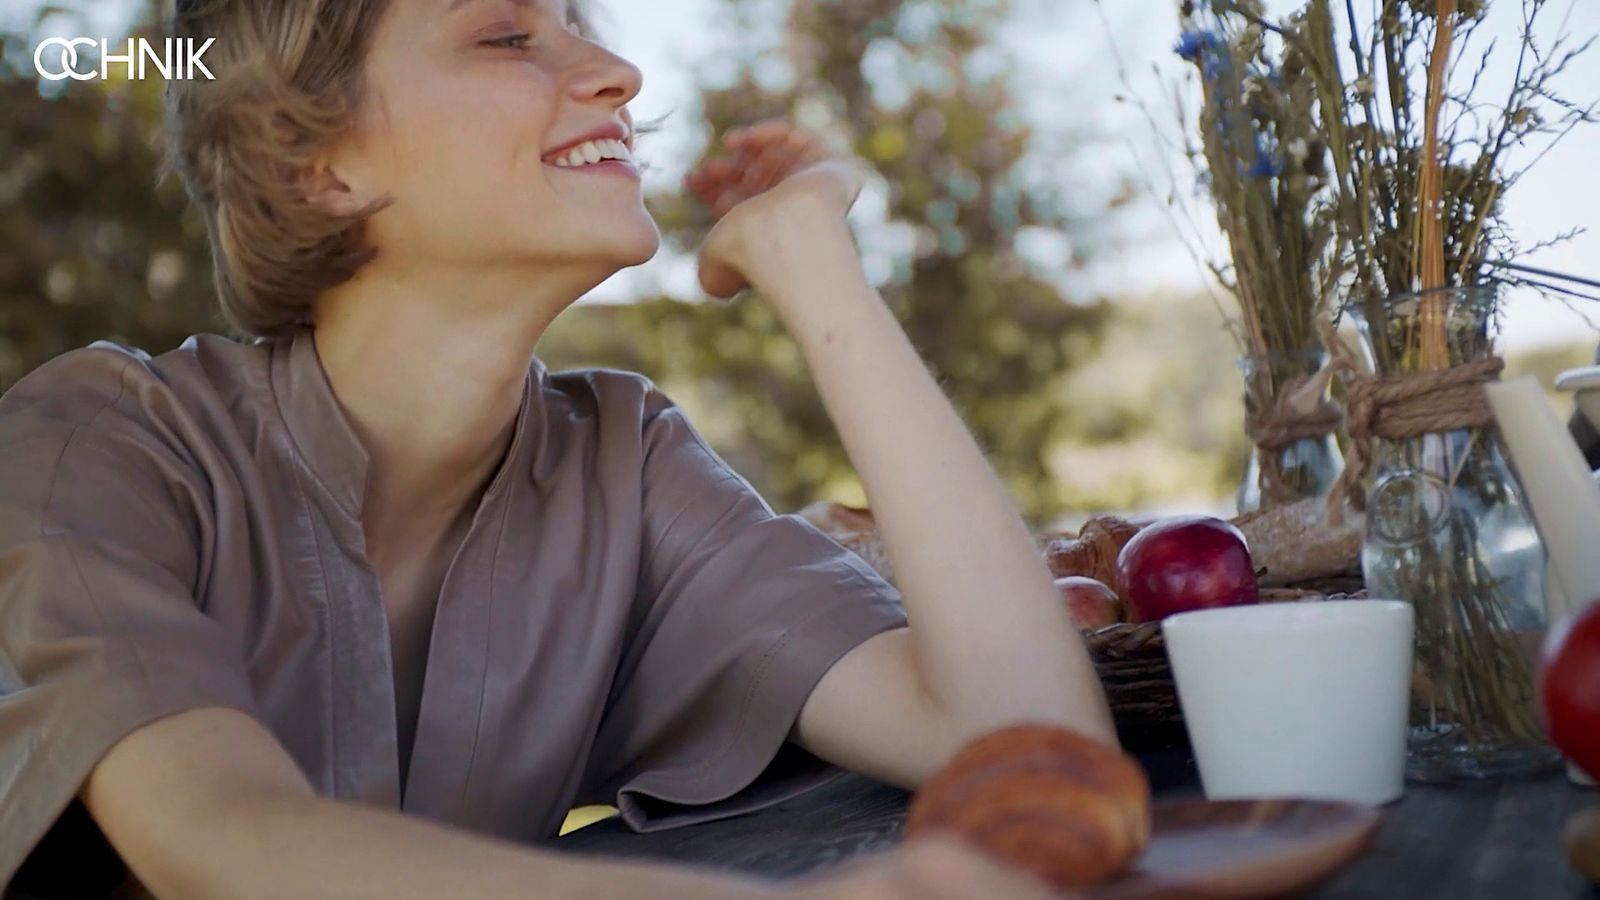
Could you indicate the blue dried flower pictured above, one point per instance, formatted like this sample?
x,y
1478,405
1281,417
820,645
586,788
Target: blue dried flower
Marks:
x,y
1194,44
1188,46
1266,165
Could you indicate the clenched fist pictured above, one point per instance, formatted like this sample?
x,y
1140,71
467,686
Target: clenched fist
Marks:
x,y
772,178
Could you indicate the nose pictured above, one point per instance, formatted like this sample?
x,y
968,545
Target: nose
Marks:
x,y
606,77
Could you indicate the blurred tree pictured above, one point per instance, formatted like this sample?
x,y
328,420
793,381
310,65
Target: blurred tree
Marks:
x,y
919,88
90,246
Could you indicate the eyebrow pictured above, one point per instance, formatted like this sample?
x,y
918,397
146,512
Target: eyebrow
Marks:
x,y
457,4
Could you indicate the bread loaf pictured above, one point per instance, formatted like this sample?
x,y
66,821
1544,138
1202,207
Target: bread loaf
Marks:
x,y
1297,542
1289,544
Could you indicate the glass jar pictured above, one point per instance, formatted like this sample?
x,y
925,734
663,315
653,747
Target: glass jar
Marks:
x,y
1449,530
1304,467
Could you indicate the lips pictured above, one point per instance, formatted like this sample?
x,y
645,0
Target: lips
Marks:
x,y
611,130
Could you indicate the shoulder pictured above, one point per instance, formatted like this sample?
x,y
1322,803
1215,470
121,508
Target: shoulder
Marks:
x,y
67,392
630,423
607,393
108,389
108,426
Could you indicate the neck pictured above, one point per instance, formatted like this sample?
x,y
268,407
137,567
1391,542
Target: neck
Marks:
x,y
431,379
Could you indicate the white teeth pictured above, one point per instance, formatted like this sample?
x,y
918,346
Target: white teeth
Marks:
x,y
594,151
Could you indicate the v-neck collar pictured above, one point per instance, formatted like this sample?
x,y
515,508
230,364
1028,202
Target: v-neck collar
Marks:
x,y
317,423
456,660
325,439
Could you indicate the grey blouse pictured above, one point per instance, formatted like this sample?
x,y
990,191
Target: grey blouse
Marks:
x,y
627,620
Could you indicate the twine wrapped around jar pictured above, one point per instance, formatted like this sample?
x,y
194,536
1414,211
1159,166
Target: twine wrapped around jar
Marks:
x,y
1287,421
1397,407
1302,411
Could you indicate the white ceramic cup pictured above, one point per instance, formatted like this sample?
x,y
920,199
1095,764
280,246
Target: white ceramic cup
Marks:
x,y
1299,699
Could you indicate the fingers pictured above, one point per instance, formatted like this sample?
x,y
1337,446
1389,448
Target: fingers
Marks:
x,y
760,133
727,194
934,868
759,157
940,866
720,193
716,182
780,157
708,180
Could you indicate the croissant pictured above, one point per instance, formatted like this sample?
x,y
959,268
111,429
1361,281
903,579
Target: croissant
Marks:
x,y
1093,553
854,528
831,518
1068,808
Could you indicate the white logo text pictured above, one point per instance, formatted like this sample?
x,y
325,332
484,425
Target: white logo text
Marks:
x,y
177,59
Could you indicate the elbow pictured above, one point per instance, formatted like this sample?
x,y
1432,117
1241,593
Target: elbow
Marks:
x,y
225,851
1082,709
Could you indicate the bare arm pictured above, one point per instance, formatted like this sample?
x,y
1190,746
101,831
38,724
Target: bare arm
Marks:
x,y
990,641
206,803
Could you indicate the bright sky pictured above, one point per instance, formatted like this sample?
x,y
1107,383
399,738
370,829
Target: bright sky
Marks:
x,y
1068,78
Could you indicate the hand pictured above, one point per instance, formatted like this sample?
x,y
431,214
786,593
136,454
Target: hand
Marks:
x,y
773,170
935,868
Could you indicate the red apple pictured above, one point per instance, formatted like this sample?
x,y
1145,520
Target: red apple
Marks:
x,y
1093,605
1569,687
1184,563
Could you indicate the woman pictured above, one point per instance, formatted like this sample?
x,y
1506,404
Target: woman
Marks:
x,y
264,598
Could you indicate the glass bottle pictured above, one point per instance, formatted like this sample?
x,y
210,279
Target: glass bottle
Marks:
x,y
1449,530
1308,466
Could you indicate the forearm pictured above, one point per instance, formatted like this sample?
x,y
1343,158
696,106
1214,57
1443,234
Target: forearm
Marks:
x,y
297,846
993,640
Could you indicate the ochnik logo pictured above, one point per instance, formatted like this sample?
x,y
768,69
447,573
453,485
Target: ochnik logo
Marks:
x,y
179,59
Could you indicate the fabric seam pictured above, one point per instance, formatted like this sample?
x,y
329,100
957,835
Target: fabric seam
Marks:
x,y
77,568
763,669
333,643
488,641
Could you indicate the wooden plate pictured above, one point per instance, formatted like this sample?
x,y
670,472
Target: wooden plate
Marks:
x,y
1244,848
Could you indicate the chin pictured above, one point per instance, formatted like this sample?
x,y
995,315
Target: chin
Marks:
x,y
639,243
618,254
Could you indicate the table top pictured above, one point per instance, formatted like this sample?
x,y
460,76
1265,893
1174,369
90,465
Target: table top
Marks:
x,y
1497,839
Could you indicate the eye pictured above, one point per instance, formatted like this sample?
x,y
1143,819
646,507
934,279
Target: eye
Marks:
x,y
510,41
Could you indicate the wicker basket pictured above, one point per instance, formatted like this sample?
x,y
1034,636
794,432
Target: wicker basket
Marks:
x,y
1131,660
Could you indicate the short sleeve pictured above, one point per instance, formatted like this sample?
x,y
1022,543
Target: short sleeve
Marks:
x,y
99,629
743,611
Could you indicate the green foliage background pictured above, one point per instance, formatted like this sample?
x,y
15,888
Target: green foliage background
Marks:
x,y
91,247
1000,339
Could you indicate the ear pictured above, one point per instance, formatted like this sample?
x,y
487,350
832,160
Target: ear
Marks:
x,y
336,182
324,189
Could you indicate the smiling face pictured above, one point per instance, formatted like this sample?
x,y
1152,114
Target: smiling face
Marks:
x,y
469,106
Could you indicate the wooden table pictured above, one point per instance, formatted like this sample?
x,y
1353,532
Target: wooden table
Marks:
x,y
1499,840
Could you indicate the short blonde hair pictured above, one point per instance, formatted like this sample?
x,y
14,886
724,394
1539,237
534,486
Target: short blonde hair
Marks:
x,y
289,79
